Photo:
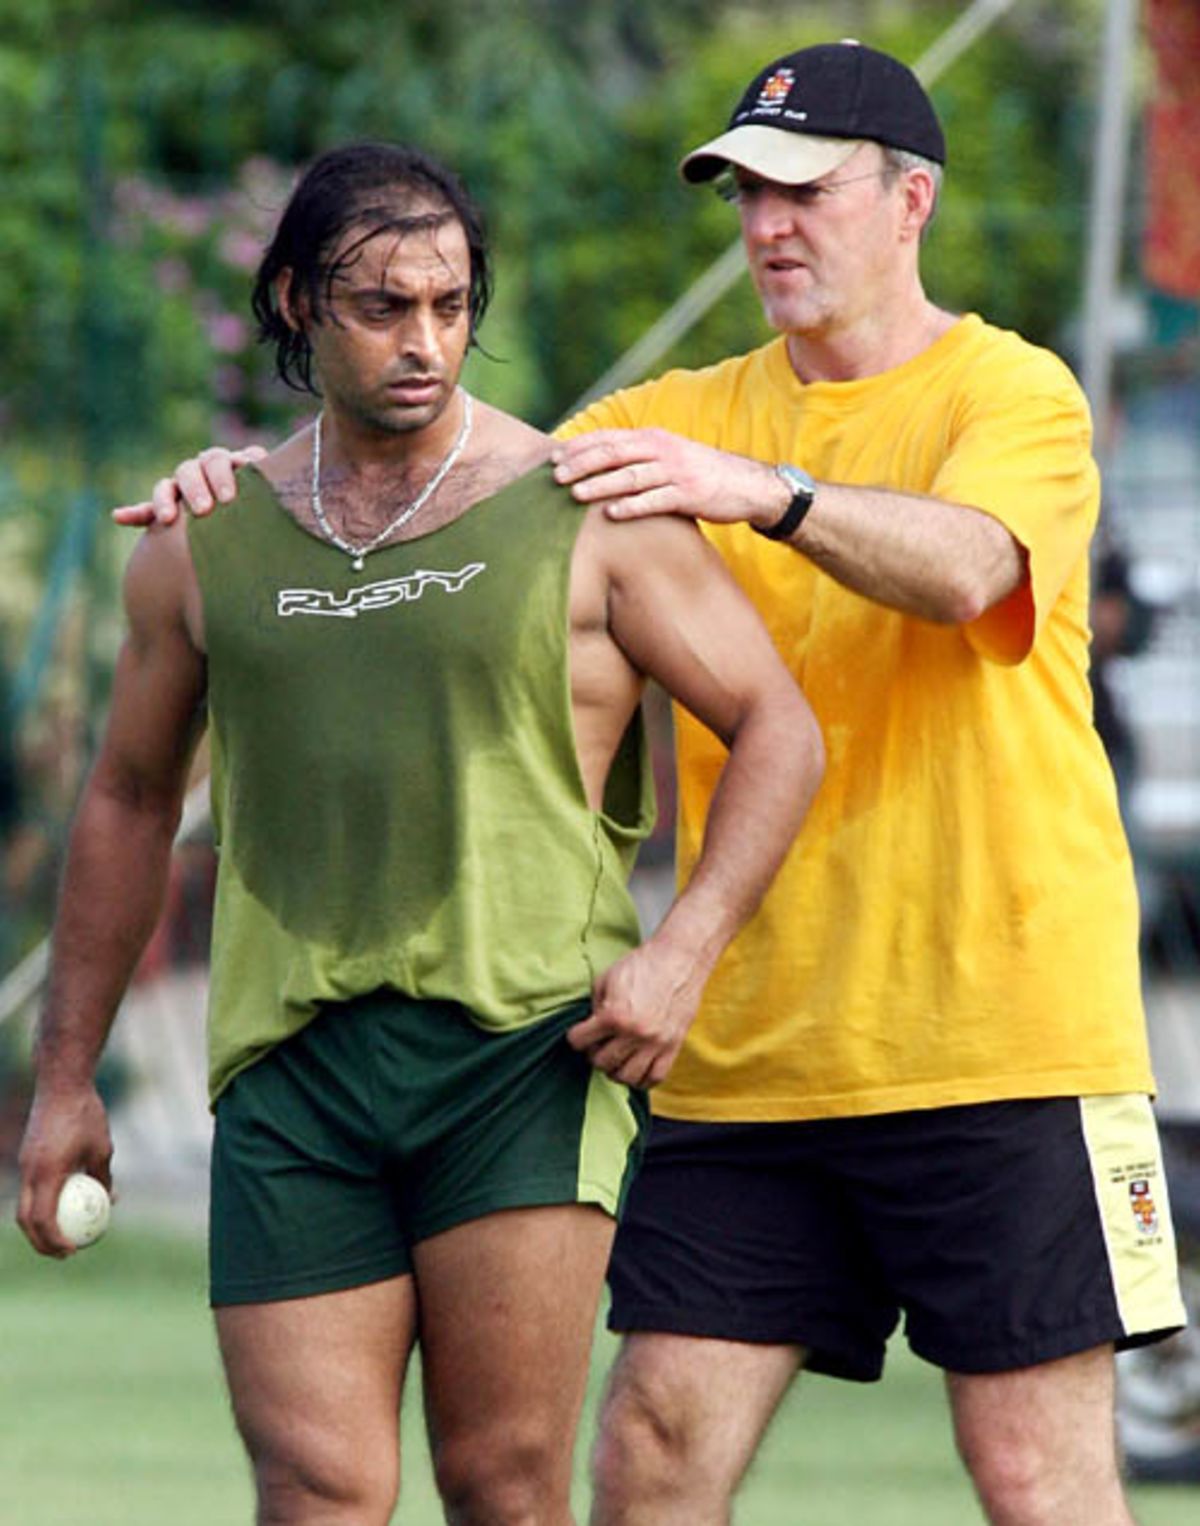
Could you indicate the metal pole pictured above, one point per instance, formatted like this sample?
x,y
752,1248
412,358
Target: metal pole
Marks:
x,y
1103,254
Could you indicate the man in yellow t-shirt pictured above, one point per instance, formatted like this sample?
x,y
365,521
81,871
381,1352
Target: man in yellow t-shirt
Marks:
x,y
919,1082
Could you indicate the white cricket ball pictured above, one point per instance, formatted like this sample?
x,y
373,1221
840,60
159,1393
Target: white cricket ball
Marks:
x,y
83,1209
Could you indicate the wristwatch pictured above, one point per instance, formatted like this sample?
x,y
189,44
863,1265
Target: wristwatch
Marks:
x,y
803,490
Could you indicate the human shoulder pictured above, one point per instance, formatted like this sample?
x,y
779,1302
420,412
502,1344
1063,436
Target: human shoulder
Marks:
x,y
495,429
998,357
672,399
504,448
285,472
504,452
642,551
160,590
160,557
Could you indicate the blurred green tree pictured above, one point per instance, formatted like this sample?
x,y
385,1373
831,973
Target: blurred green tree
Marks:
x,y
147,145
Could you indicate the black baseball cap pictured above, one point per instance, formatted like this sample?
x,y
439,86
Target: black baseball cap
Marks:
x,y
807,112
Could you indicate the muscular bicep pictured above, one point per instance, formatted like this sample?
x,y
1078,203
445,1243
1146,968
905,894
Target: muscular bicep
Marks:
x,y
680,618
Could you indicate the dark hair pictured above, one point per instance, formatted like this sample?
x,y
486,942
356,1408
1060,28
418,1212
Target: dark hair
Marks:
x,y
372,186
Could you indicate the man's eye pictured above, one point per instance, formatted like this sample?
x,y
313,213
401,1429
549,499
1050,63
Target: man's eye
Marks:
x,y
746,191
374,309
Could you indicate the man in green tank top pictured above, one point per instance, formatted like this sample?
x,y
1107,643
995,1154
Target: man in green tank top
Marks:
x,y
432,1022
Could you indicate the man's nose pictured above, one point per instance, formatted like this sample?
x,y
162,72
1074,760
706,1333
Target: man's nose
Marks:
x,y
768,215
418,338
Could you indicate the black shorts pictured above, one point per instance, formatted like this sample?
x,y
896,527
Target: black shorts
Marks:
x,y
1005,1233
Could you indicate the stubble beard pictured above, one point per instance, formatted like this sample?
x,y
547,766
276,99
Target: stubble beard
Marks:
x,y
394,419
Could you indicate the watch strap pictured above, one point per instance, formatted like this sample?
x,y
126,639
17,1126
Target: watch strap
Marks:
x,y
803,490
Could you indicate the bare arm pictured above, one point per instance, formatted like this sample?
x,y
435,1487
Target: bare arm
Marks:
x,y
942,561
678,616
115,874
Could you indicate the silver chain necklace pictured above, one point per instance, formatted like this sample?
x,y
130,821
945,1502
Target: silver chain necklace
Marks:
x,y
358,554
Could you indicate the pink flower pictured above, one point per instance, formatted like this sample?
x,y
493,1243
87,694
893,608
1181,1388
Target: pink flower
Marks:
x,y
227,333
172,276
189,215
240,249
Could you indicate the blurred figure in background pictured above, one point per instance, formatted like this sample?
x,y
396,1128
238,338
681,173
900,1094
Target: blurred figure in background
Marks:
x,y
1122,625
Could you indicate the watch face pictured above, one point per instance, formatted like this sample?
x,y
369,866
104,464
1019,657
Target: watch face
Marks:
x,y
799,481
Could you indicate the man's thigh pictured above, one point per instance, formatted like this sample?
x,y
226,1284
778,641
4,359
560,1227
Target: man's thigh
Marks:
x,y
508,1307
1040,1442
315,1385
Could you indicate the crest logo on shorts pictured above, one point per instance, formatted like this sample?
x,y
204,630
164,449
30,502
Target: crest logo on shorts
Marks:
x,y
776,88
1142,1203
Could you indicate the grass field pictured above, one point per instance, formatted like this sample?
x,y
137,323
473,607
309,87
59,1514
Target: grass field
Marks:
x,y
112,1413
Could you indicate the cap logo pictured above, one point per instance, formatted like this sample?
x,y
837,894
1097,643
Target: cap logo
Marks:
x,y
776,88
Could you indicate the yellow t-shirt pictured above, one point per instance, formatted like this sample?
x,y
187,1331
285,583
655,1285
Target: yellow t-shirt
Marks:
x,y
957,921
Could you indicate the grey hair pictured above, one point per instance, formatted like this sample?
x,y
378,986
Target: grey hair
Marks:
x,y
898,160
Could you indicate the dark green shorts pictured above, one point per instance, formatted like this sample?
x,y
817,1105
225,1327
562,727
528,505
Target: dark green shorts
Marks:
x,y
385,1121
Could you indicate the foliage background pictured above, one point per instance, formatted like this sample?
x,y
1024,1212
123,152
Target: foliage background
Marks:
x,y
147,146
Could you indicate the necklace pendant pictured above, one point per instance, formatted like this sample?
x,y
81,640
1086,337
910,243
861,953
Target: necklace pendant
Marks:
x,y
357,564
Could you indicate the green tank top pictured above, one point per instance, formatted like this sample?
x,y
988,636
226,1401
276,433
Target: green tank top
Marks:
x,y
396,790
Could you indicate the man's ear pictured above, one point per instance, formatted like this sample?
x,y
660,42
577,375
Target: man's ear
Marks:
x,y
293,308
920,197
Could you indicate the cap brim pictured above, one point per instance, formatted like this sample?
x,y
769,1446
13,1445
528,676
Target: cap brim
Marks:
x,y
791,158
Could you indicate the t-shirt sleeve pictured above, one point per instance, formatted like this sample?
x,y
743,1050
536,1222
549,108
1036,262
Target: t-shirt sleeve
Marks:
x,y
1022,453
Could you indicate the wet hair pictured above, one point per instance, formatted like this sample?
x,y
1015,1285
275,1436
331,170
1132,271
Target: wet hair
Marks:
x,y
372,188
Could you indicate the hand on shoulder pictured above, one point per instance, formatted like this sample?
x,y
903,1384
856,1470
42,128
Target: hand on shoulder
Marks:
x,y
197,485
632,473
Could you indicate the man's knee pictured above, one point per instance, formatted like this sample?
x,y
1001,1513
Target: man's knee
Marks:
x,y
1022,1483
512,1474
641,1442
323,1483
1040,1443
1009,1474
648,1462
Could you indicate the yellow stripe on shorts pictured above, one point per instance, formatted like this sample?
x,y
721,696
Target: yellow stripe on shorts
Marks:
x,y
609,1130
1135,1211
